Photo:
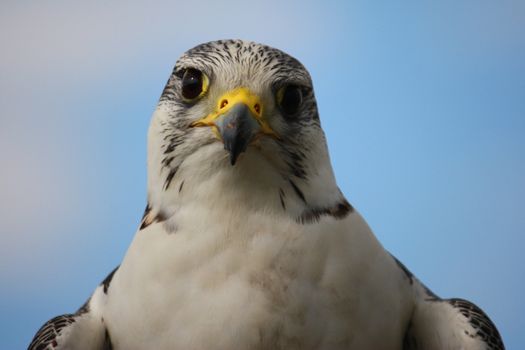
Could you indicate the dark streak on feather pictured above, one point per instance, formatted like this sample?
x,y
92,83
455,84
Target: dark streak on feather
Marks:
x,y
147,218
108,345
107,281
298,192
339,211
409,341
170,176
146,211
84,308
281,197
407,272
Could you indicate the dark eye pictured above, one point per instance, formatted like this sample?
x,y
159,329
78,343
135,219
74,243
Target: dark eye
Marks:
x,y
289,99
194,84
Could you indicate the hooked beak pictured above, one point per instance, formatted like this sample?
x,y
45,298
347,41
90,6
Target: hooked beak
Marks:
x,y
237,129
237,121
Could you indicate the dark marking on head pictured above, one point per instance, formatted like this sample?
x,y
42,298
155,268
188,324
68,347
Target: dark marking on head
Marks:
x,y
295,160
167,161
242,60
181,185
298,191
485,328
338,211
249,53
174,141
107,281
170,176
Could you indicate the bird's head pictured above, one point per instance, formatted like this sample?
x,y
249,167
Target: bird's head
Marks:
x,y
246,113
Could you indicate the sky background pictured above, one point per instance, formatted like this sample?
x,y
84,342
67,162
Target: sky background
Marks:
x,y
423,104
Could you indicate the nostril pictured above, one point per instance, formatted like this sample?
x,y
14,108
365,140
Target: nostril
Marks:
x,y
257,108
224,103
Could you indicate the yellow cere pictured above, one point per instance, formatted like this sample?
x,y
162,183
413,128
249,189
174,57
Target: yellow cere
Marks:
x,y
232,98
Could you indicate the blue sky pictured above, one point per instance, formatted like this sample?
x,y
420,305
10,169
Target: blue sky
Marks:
x,y
423,104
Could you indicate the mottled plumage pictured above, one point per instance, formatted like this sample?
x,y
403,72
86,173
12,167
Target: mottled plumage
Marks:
x,y
46,337
246,241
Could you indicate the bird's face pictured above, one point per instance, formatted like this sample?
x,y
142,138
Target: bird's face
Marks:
x,y
231,101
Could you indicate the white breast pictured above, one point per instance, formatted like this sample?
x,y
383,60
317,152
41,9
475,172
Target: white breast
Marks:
x,y
256,281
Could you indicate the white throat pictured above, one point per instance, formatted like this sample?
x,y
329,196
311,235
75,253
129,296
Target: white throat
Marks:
x,y
206,178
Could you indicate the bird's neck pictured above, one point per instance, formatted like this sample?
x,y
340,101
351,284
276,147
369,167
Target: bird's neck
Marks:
x,y
246,187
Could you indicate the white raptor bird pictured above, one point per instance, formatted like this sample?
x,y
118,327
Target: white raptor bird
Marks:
x,y
246,241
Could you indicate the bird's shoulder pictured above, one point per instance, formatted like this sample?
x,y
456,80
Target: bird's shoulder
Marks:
x,y
450,324
84,329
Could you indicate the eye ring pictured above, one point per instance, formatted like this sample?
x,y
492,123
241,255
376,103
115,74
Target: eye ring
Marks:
x,y
194,84
289,99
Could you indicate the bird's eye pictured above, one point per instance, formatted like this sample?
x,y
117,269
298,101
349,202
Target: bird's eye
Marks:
x,y
289,99
194,84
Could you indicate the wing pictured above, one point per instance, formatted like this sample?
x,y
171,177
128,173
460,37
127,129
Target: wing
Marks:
x,y
480,322
72,331
47,336
451,324
83,330
446,324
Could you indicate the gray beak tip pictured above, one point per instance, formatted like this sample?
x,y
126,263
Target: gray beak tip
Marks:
x,y
237,128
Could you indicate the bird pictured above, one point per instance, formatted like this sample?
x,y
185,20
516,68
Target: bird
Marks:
x,y
246,241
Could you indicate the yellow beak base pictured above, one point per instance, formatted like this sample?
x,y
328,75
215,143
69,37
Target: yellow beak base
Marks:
x,y
232,98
